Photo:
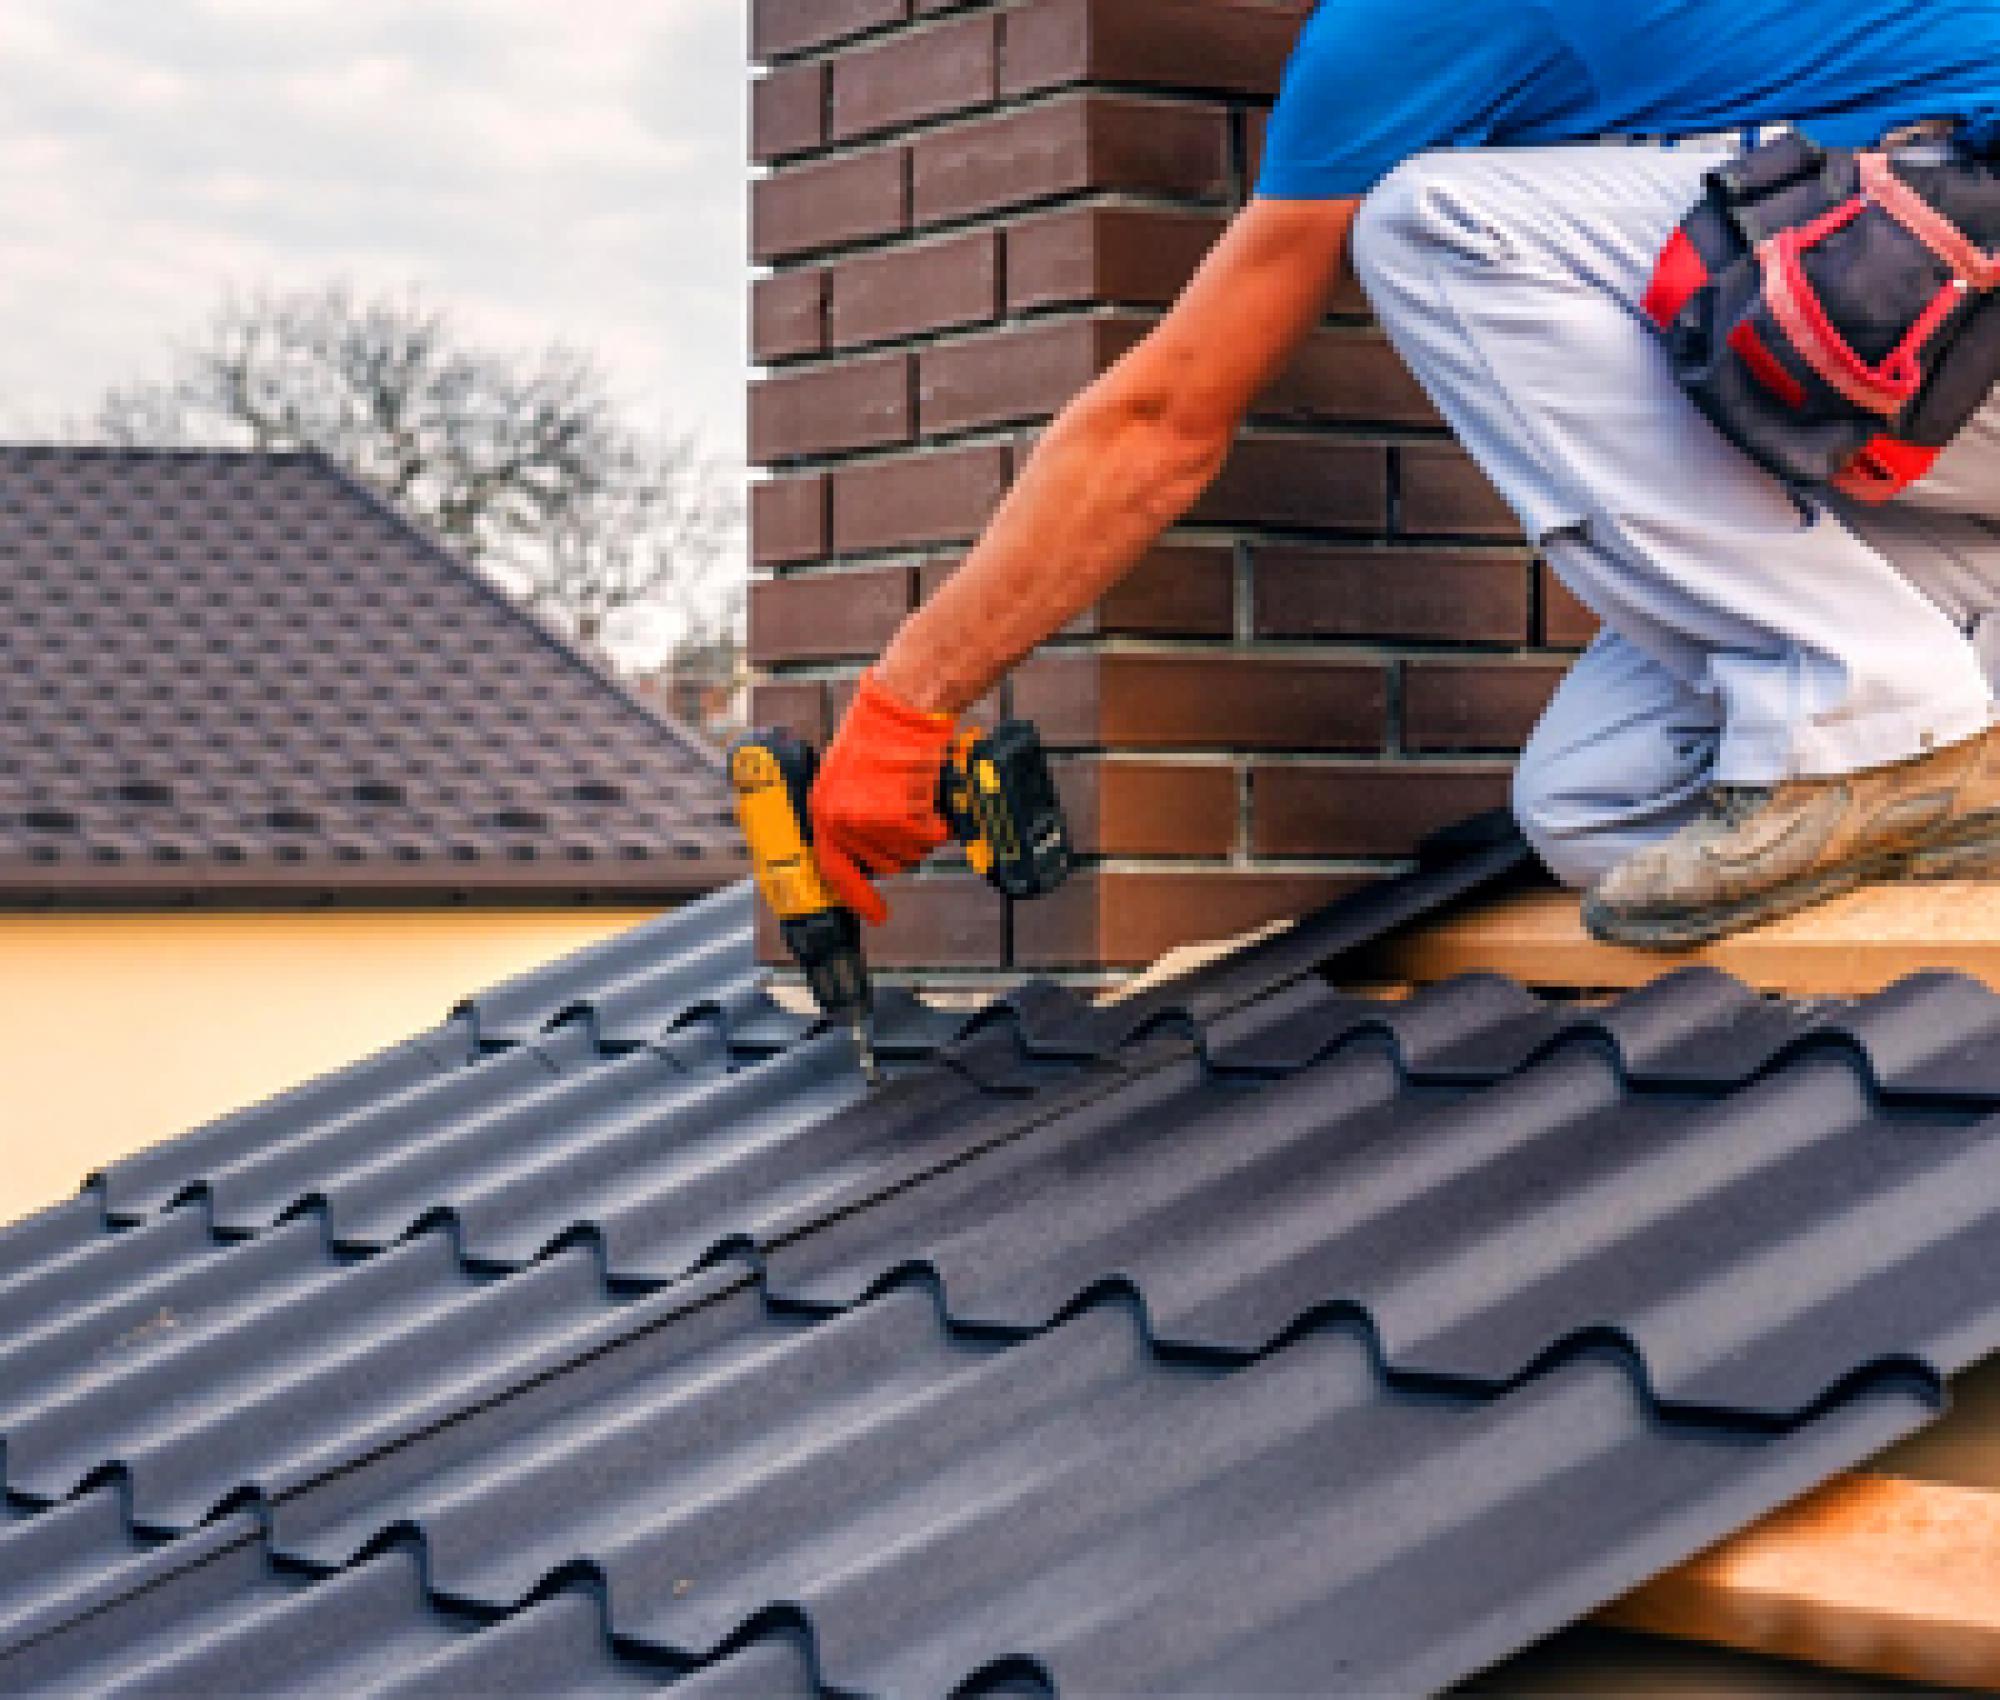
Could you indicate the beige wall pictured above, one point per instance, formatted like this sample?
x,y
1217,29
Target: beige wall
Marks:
x,y
118,1030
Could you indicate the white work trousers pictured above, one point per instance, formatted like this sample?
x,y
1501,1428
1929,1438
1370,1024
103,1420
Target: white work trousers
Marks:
x,y
1752,634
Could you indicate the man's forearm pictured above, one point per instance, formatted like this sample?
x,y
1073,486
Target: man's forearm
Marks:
x,y
1128,458
1109,477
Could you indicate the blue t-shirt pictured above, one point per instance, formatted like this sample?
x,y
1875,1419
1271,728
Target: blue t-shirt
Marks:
x,y
1374,81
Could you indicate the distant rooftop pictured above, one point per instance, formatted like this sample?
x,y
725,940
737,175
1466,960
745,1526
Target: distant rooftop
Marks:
x,y
240,677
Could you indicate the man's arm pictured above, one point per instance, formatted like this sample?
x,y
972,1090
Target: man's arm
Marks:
x,y
1124,462
1128,457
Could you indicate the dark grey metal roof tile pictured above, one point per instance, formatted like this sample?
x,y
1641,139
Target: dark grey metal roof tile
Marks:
x,y
79,1563
1933,1035
1476,1229
938,1506
212,1614
28,1247
716,931
48,1560
554,1648
334,1637
1478,1028
1233,1339
332,1159
297,1375
148,1181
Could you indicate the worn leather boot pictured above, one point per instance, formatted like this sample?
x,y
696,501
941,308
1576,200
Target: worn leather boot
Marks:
x,y
1761,852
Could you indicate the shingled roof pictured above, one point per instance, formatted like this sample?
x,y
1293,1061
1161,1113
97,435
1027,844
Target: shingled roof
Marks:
x,y
1248,1338
243,677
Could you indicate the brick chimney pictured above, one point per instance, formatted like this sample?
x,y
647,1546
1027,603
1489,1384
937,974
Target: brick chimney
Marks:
x,y
972,209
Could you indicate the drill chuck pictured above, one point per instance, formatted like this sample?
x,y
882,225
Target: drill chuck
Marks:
x,y
827,948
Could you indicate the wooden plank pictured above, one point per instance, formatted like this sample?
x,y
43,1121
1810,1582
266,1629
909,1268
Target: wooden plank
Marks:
x,y
1854,945
1178,964
1872,1574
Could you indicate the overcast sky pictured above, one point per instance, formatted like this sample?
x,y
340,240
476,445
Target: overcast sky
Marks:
x,y
547,169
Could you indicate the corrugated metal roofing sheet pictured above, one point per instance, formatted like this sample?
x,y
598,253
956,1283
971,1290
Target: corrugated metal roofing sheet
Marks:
x,y
227,676
1252,1338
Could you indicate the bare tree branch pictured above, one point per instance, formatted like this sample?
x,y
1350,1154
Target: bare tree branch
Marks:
x,y
522,464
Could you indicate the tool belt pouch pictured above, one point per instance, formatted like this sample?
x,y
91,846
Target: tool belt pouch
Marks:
x,y
1837,314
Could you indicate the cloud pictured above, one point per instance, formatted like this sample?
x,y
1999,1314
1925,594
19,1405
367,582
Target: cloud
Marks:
x,y
547,171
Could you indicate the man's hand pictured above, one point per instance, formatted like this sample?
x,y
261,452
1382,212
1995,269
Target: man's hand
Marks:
x,y
874,806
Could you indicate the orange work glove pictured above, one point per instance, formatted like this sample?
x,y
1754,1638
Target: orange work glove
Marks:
x,y
874,806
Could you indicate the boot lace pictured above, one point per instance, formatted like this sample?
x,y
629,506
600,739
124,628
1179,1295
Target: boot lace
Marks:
x,y
1732,805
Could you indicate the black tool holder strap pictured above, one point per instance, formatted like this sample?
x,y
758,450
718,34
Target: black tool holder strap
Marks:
x,y
1836,313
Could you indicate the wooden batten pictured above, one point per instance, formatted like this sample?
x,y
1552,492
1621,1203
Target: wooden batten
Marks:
x,y
1872,1574
1853,946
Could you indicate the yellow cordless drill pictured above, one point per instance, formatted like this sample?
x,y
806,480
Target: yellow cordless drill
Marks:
x,y
996,794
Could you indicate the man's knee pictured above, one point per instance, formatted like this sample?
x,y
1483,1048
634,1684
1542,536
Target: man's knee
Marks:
x,y
1565,813
1418,208
1548,821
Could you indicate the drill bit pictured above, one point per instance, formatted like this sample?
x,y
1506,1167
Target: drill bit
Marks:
x,y
864,1048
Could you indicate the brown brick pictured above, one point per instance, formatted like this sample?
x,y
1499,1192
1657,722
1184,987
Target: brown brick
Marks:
x,y
925,74
1303,482
1226,701
1425,595
797,705
1141,808
860,404
1343,376
933,923
828,616
1091,141
792,26
788,112
1373,809
1474,705
1446,495
935,497
787,519
941,923
1177,590
787,316
1128,918
1256,133
1349,300
1225,45
823,204
927,286
1012,375
1566,622
1142,256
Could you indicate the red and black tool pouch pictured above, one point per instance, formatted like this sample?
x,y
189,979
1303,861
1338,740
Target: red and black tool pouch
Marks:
x,y
1837,313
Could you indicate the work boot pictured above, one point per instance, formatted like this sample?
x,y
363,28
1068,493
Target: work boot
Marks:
x,y
1761,852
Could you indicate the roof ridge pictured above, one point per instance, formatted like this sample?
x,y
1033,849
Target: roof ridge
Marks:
x,y
577,657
